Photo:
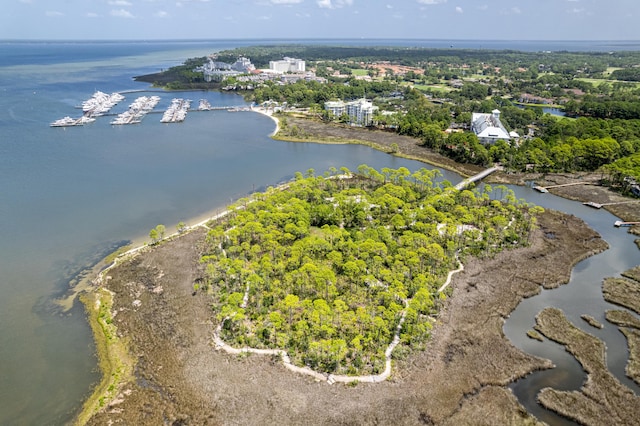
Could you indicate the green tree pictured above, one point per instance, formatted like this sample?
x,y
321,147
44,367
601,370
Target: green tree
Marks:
x,y
157,234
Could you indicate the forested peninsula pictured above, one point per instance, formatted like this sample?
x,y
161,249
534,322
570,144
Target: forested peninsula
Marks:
x,y
330,267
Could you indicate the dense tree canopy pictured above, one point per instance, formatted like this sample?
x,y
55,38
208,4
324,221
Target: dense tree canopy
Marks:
x,y
328,265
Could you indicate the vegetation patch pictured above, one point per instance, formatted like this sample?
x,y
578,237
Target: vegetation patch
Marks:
x,y
623,319
591,321
532,334
623,292
115,360
633,274
633,340
334,266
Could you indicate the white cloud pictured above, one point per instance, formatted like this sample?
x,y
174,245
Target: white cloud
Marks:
x,y
286,1
119,3
459,9
53,13
431,1
161,14
264,18
511,11
92,15
333,4
389,6
121,13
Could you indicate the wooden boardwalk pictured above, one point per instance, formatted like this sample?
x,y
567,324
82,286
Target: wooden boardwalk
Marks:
x,y
468,181
545,189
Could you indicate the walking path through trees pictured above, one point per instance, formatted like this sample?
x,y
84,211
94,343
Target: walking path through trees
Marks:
x,y
330,378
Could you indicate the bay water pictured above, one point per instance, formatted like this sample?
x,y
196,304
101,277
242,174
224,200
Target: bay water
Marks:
x,y
68,196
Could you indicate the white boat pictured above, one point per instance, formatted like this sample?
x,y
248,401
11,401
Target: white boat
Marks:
x,y
204,105
64,122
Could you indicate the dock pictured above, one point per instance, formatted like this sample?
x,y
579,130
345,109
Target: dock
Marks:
x,y
466,182
619,223
545,189
137,110
593,204
100,104
177,111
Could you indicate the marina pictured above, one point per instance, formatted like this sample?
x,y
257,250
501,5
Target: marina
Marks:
x,y
177,111
100,103
137,110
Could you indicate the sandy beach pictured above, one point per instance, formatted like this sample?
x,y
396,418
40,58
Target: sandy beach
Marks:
x,y
269,113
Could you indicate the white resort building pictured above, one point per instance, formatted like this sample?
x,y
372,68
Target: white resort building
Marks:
x,y
335,108
218,71
287,65
488,127
360,112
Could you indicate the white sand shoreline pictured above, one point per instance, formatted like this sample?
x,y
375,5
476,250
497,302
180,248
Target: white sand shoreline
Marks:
x,y
268,113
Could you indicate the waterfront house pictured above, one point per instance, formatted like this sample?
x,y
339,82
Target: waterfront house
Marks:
x,y
488,127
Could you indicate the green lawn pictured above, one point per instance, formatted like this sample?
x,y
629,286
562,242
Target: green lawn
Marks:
x,y
357,72
434,87
611,69
598,81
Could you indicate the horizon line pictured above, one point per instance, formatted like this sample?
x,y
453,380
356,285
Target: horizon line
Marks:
x,y
107,40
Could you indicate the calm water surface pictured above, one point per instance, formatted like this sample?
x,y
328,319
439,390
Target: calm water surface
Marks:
x,y
68,196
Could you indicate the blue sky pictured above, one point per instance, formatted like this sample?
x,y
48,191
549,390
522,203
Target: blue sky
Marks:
x,y
419,19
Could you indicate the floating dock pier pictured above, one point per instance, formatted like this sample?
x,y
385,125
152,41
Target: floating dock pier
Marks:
x,y
545,189
601,205
619,223
177,111
137,110
100,104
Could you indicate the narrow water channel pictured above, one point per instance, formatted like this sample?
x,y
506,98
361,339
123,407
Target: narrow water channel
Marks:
x,y
582,295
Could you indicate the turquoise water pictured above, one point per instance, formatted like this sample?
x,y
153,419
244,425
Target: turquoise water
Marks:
x,y
70,195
